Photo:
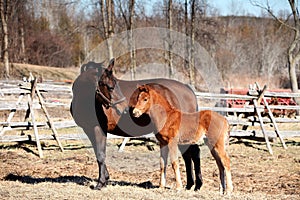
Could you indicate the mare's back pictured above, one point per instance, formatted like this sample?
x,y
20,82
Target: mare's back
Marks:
x,y
178,94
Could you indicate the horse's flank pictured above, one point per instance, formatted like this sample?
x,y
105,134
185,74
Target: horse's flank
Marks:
x,y
189,126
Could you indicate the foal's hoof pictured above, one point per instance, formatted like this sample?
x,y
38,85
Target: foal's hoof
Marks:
x,y
228,191
179,188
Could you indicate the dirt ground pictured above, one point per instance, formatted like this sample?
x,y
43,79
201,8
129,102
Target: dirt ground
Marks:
x,y
134,173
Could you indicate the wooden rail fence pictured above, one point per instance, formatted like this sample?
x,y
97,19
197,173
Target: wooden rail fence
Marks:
x,y
59,90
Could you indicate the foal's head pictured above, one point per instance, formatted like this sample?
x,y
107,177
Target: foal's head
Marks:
x,y
143,102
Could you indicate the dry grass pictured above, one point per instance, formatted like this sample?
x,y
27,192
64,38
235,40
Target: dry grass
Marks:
x,y
19,71
134,174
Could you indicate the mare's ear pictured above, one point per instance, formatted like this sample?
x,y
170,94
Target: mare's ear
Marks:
x,y
111,65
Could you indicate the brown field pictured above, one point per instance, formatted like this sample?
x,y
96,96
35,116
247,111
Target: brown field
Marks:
x,y
134,173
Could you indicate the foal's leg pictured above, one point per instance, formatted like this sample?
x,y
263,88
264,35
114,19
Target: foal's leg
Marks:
x,y
223,163
164,152
221,169
173,147
226,163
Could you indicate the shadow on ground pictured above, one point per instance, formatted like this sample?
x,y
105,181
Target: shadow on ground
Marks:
x,y
80,180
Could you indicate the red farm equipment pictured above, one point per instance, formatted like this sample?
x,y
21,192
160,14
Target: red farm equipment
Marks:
x,y
271,100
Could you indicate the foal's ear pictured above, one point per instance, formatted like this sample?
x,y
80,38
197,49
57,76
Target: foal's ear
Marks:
x,y
143,88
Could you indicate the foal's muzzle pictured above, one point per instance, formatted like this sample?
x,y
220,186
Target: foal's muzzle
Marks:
x,y
136,113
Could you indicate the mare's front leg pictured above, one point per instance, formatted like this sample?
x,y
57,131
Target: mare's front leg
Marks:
x,y
173,148
101,156
98,139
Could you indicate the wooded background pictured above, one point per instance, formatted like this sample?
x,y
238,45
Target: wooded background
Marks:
x,y
61,33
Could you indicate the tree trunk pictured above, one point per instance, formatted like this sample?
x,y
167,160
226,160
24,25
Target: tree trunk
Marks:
x,y
22,37
110,17
187,41
192,59
294,50
170,43
4,16
108,24
132,41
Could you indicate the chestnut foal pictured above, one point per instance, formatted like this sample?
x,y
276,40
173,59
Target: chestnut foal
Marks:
x,y
175,127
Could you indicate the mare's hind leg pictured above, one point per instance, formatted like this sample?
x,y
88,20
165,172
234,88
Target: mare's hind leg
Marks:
x,y
192,153
187,157
173,147
195,151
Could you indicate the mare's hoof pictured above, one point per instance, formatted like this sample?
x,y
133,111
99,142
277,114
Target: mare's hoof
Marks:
x,y
189,186
198,186
99,186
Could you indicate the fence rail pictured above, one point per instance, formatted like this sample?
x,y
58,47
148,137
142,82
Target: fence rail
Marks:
x,y
54,91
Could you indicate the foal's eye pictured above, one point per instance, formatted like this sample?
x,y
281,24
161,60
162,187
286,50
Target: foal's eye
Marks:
x,y
145,99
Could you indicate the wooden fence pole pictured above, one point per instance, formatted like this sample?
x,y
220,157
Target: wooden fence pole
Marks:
x,y
50,122
35,129
274,123
262,126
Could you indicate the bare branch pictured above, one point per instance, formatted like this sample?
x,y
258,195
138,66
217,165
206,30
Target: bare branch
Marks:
x,y
269,10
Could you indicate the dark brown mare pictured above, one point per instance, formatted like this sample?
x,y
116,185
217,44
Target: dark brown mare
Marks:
x,y
176,127
100,105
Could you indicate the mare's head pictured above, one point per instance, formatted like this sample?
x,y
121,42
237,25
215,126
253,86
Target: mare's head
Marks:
x,y
92,65
143,101
108,89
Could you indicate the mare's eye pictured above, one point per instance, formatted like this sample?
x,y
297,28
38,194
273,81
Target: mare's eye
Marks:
x,y
145,99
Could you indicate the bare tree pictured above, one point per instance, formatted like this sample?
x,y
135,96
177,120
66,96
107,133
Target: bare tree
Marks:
x,y
293,51
128,11
4,13
132,43
186,63
107,10
170,41
192,59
